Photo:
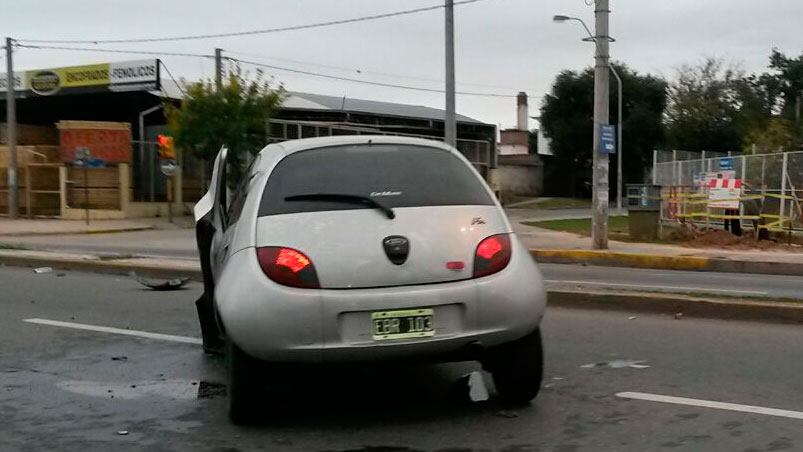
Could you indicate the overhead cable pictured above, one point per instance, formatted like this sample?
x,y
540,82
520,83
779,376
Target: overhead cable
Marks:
x,y
366,82
249,32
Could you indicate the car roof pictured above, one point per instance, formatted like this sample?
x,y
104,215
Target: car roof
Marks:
x,y
293,146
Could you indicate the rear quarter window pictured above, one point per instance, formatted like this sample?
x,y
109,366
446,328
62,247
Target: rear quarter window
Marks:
x,y
395,175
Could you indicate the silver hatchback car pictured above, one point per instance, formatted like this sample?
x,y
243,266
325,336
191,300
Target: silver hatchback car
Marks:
x,y
361,249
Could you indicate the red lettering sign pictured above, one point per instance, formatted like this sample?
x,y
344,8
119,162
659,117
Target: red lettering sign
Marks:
x,y
111,146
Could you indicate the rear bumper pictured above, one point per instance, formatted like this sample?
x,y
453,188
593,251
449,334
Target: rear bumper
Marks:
x,y
283,324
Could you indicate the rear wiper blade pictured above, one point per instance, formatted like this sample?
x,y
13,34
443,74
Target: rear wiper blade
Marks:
x,y
344,197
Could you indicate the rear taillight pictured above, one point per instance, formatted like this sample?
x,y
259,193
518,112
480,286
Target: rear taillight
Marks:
x,y
492,255
288,267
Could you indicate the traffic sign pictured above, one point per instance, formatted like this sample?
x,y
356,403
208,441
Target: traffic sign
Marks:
x,y
726,163
168,166
607,139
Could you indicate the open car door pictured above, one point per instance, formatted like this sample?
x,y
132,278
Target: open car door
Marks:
x,y
210,222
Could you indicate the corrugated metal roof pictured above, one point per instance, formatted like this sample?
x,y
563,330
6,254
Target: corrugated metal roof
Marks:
x,y
307,101
320,102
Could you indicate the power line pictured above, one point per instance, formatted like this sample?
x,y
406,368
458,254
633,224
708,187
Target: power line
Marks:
x,y
367,82
134,52
250,32
268,66
183,93
368,72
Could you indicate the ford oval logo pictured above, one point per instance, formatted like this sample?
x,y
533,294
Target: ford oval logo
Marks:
x,y
397,248
395,241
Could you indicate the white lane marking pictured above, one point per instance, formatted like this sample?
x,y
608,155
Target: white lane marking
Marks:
x,y
711,404
107,329
647,286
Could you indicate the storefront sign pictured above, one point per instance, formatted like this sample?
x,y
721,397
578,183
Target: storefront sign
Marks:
x,y
109,145
140,75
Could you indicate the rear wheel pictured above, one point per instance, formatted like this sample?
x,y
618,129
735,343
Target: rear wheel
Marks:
x,y
244,378
517,368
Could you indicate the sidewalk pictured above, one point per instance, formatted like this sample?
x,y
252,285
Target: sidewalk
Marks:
x,y
57,227
28,227
563,247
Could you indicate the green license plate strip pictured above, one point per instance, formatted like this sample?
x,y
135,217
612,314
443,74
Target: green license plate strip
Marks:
x,y
402,324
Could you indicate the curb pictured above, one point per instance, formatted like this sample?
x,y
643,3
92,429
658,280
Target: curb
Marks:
x,y
142,266
650,302
663,262
91,231
665,303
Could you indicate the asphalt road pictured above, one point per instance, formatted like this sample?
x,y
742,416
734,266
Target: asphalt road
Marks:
x,y
180,244
68,389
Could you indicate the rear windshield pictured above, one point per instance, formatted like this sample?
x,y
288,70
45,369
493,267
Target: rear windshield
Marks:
x,y
394,175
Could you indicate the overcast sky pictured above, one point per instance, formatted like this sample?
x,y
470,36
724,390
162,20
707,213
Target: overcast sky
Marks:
x,y
503,46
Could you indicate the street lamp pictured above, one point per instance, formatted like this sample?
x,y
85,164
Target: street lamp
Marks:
x,y
560,19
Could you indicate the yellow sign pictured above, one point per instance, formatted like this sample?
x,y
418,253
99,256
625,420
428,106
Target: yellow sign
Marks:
x,y
91,75
113,76
50,81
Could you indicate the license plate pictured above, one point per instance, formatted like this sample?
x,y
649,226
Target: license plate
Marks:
x,y
405,324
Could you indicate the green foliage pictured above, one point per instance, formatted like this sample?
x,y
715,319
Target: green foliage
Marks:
x,y
567,119
789,74
703,108
533,142
236,117
770,136
715,108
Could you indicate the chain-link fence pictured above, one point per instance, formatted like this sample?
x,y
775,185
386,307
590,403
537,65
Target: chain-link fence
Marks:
x,y
771,187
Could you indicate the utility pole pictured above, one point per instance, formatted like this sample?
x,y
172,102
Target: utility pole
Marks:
x,y
11,124
219,69
599,202
450,122
618,143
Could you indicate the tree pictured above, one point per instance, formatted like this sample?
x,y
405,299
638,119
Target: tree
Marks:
x,y
703,108
789,79
236,117
772,135
790,75
567,119
532,137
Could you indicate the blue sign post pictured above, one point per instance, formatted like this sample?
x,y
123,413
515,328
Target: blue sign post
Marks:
x,y
607,139
726,163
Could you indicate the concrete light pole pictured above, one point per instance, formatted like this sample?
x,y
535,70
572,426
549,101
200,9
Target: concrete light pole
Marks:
x,y
619,159
599,197
450,121
11,135
599,201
